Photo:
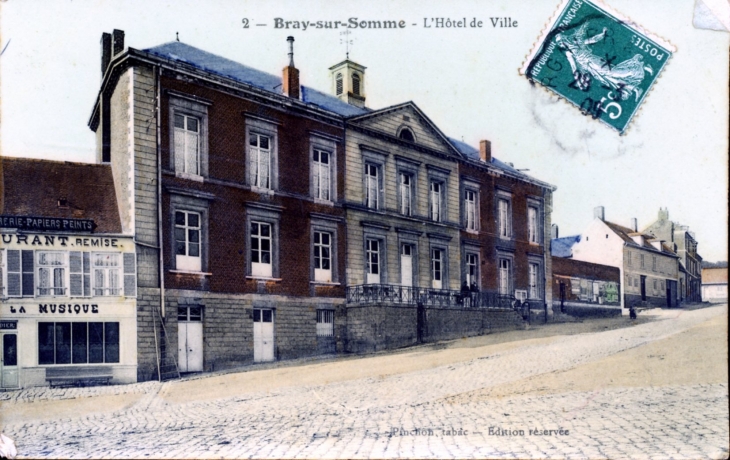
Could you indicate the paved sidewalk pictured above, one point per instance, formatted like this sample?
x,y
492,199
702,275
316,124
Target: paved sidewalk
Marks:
x,y
414,413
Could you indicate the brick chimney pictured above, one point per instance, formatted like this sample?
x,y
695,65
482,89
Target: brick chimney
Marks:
x,y
117,41
663,214
554,232
290,82
634,224
106,51
599,212
485,151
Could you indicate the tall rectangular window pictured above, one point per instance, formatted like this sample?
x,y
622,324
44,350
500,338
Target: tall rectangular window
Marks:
x,y
532,226
372,256
187,241
653,263
436,201
187,144
534,279
259,160
372,186
642,260
437,268
505,280
52,269
470,209
323,256
472,270
504,218
629,257
405,182
321,174
106,274
261,249
78,342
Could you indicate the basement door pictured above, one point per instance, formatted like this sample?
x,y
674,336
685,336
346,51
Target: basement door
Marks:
x,y
190,338
263,335
9,364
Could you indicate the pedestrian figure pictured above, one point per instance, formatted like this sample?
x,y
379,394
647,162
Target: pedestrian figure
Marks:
x,y
474,293
632,312
465,293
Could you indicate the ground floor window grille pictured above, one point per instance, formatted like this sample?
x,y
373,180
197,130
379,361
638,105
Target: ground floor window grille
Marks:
x,y
325,323
78,343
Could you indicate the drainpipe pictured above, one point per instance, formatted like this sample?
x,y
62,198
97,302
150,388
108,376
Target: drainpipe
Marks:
x,y
159,196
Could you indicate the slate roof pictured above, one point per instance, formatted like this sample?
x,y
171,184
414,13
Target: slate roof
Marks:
x,y
209,62
33,188
178,51
563,247
626,233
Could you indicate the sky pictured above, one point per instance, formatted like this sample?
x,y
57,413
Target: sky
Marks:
x,y
674,154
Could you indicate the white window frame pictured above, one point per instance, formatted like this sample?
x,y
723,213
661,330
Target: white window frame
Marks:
x,y
187,140
261,269
58,285
438,262
189,107
373,261
187,262
471,206
503,213
436,198
405,190
322,174
320,248
372,185
107,275
504,274
534,284
256,129
471,264
532,225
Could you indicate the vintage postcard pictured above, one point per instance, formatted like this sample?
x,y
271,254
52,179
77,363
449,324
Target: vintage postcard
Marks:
x,y
393,229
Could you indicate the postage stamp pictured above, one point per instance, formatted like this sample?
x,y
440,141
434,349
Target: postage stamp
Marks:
x,y
599,61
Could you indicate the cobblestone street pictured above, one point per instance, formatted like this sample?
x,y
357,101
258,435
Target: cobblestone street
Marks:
x,y
613,394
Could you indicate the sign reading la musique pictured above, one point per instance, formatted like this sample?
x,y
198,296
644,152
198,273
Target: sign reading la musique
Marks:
x,y
69,308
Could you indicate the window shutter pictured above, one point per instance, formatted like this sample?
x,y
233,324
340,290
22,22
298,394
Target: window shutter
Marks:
x,y
14,272
253,164
87,274
130,274
76,273
28,275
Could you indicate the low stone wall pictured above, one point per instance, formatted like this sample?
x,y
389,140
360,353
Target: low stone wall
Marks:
x,y
381,327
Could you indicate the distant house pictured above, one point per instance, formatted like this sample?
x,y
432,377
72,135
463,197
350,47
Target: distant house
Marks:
x,y
649,267
714,282
582,288
683,242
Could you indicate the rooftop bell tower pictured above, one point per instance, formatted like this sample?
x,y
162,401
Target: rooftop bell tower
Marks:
x,y
348,82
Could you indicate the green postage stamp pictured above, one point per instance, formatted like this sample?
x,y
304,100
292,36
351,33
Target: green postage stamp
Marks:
x,y
599,61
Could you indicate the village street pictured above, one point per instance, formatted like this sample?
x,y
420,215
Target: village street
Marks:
x,y
656,388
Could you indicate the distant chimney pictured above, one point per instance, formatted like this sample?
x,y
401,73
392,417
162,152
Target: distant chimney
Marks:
x,y
291,74
554,232
634,224
106,51
599,212
485,151
663,214
117,41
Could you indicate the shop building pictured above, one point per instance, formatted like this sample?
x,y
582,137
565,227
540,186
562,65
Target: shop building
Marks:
x,y
68,274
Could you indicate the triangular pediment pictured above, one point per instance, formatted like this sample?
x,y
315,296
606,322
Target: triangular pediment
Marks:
x,y
390,121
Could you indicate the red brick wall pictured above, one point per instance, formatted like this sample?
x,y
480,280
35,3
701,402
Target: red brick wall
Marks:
x,y
227,212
